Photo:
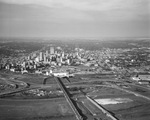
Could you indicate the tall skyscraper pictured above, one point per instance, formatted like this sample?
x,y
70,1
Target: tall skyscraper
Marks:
x,y
52,50
41,56
46,53
44,57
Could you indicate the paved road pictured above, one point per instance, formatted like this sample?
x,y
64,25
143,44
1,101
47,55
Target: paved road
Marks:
x,y
67,96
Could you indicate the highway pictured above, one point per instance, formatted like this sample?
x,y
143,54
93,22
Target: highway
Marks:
x,y
69,100
108,114
128,91
17,91
80,115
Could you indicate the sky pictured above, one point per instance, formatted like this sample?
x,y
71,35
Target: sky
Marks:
x,y
75,18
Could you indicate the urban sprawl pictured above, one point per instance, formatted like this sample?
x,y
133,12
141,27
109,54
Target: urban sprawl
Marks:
x,y
53,60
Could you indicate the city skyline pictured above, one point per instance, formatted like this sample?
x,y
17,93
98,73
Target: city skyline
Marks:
x,y
68,18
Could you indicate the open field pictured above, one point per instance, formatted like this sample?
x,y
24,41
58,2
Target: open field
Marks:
x,y
47,102
34,109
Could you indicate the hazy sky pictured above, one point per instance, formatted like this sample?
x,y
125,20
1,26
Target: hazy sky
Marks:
x,y
75,18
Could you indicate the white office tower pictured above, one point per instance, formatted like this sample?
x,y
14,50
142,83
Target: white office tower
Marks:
x,y
52,50
44,57
46,53
37,59
41,56
63,54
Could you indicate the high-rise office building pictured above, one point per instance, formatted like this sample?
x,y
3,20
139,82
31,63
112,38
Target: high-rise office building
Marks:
x,y
46,53
52,50
44,57
41,56
63,54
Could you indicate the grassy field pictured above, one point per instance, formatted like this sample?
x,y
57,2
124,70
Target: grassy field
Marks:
x,y
34,109
135,108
